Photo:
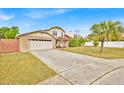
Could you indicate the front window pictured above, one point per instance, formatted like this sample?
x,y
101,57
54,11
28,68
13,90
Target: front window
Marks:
x,y
55,33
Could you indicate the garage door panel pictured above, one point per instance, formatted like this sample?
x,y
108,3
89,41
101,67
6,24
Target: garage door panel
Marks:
x,y
40,44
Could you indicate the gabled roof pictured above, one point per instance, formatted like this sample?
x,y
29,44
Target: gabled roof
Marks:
x,y
31,32
65,38
56,27
42,31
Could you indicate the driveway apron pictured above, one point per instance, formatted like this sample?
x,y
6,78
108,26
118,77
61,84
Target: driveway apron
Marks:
x,y
78,69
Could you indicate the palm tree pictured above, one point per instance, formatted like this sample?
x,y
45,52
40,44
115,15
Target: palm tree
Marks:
x,y
106,30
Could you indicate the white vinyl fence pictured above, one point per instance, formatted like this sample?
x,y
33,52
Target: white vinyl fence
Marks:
x,y
119,44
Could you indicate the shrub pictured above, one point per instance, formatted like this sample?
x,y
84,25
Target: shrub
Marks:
x,y
74,42
82,41
95,43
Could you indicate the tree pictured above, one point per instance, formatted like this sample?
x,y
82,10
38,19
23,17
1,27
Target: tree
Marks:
x,y
93,37
106,30
89,37
121,29
9,32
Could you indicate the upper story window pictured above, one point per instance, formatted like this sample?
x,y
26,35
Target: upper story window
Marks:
x,y
62,34
55,33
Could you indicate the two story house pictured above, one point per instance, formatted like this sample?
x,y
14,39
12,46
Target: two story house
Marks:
x,y
54,37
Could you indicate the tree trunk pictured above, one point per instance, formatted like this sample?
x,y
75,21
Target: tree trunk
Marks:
x,y
102,45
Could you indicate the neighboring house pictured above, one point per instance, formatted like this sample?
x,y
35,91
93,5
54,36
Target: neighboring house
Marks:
x,y
44,39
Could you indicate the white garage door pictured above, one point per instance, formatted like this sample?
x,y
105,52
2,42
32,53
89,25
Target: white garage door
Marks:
x,y
37,44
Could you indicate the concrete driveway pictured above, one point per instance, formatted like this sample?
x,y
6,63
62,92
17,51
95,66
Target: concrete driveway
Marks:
x,y
78,69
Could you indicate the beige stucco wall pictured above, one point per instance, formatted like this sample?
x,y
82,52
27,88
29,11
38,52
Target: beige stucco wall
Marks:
x,y
24,44
59,32
63,44
67,44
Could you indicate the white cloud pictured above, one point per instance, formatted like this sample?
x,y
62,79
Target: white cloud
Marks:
x,y
61,11
36,14
4,16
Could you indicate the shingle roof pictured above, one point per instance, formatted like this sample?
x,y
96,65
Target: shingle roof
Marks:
x,y
65,38
42,30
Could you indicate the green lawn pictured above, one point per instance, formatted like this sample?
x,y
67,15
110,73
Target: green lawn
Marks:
x,y
108,53
23,68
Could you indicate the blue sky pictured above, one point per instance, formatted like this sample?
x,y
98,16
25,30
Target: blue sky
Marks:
x,y
77,20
